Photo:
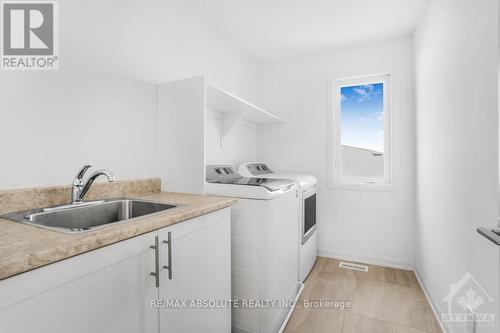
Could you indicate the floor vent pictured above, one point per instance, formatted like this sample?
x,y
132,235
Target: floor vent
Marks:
x,y
353,266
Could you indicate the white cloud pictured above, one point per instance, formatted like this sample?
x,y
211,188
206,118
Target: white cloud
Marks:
x,y
343,97
360,91
369,87
366,92
363,92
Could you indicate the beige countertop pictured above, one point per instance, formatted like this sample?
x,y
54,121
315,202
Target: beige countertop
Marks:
x,y
24,247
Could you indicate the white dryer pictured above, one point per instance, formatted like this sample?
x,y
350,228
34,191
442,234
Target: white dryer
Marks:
x,y
306,214
264,249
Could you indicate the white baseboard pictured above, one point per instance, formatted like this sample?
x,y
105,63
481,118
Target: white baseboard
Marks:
x,y
365,260
432,301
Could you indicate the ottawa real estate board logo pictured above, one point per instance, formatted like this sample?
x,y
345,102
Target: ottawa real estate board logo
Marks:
x,y
467,303
30,35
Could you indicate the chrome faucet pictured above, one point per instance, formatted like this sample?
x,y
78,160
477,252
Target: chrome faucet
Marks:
x,y
80,187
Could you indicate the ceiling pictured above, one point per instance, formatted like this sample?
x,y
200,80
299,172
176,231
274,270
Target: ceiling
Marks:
x,y
273,29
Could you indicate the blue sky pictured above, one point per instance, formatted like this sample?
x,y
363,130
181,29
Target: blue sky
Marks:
x,y
362,116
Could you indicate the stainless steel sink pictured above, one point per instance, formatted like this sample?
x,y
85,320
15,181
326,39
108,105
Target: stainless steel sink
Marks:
x,y
74,220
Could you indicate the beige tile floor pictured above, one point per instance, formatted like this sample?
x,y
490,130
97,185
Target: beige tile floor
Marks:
x,y
384,300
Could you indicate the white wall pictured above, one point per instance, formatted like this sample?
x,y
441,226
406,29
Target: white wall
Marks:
x,y
457,147
361,162
368,225
238,146
53,123
101,105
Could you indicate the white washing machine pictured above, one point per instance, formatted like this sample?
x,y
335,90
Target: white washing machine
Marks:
x,y
264,251
306,214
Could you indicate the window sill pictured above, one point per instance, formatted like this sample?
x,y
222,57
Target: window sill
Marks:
x,y
364,187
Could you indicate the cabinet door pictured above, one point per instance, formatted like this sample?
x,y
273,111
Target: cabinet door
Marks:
x,y
200,263
103,291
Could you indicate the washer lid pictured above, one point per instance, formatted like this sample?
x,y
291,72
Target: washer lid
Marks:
x,y
268,183
226,174
259,169
305,181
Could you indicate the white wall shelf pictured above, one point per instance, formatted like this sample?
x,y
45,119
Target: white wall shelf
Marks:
x,y
235,109
182,142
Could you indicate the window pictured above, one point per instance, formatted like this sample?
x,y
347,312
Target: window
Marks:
x,y
361,131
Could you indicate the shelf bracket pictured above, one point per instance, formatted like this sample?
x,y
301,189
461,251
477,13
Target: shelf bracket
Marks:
x,y
230,119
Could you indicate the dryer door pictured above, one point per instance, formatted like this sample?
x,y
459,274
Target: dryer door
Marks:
x,y
309,215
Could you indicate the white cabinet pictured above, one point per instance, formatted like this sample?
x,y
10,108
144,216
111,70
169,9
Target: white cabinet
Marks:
x,y
102,291
111,289
200,263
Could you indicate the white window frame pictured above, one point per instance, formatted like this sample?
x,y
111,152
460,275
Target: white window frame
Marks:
x,y
335,178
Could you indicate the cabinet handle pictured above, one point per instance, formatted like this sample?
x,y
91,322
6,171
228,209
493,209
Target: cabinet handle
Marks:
x,y
156,273
169,255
